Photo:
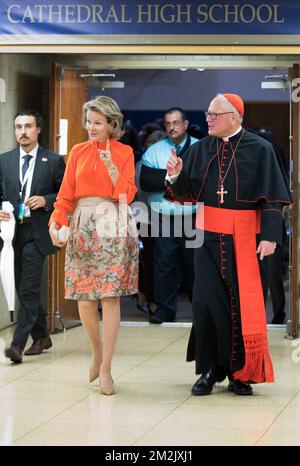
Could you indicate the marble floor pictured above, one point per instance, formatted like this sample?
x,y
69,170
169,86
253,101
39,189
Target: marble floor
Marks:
x,y
47,400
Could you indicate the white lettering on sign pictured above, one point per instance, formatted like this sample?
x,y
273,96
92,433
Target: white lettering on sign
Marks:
x,y
235,13
167,13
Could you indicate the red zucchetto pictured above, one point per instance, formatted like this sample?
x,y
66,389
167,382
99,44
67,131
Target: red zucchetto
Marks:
x,y
236,101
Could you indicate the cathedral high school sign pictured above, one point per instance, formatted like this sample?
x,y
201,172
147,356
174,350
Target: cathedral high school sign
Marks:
x,y
146,21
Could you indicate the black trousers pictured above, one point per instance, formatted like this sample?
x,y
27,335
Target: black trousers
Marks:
x,y
170,254
29,264
146,273
272,278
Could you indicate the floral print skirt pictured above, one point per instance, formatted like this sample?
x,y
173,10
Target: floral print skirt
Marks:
x,y
102,251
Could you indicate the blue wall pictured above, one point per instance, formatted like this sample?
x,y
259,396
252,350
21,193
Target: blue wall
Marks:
x,y
148,93
192,89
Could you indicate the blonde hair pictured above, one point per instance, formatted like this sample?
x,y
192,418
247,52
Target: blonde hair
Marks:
x,y
110,109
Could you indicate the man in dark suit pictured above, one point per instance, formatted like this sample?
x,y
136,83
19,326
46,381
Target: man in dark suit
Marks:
x,y
30,179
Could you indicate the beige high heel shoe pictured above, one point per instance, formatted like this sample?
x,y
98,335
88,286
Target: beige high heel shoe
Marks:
x,y
93,374
107,389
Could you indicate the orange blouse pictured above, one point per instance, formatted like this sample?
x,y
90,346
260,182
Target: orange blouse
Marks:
x,y
87,176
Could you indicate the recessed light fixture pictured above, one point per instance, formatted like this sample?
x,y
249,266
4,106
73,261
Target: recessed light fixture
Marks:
x,y
111,84
275,85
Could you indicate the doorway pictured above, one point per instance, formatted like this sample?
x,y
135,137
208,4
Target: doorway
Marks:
x,y
261,113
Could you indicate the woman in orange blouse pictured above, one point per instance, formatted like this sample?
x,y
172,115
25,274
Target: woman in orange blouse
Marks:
x,y
102,251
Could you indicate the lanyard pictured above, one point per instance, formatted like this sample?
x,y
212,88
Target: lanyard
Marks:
x,y
25,179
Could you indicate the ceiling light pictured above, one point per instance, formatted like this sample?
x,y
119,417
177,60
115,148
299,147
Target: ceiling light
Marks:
x,y
275,85
97,75
110,84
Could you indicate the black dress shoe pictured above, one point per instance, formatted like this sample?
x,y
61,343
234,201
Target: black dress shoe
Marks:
x,y
38,346
278,318
204,385
156,318
159,317
14,353
240,388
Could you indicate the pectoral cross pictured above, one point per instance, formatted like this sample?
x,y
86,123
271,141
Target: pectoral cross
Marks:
x,y
221,194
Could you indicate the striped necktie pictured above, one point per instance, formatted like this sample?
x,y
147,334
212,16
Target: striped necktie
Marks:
x,y
25,167
177,149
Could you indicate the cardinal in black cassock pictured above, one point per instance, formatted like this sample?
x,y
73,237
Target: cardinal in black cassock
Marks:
x,y
241,181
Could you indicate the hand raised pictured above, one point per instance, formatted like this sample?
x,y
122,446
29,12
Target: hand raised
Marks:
x,y
174,164
105,155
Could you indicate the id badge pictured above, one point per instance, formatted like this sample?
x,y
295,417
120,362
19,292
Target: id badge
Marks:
x,y
21,211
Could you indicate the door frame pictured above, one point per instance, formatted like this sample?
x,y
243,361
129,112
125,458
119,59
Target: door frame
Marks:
x,y
186,50
62,313
293,327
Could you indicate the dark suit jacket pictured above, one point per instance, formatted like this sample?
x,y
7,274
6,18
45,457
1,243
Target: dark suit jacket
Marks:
x,y
46,180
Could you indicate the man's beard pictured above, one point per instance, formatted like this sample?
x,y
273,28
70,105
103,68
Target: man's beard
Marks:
x,y
24,142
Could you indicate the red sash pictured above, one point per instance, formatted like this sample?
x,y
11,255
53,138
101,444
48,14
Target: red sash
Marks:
x,y
243,226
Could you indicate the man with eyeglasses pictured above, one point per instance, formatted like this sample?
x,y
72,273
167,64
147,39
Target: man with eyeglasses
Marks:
x,y
168,219
240,180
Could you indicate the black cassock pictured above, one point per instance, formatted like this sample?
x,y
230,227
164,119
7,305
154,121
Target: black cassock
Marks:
x,y
254,179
